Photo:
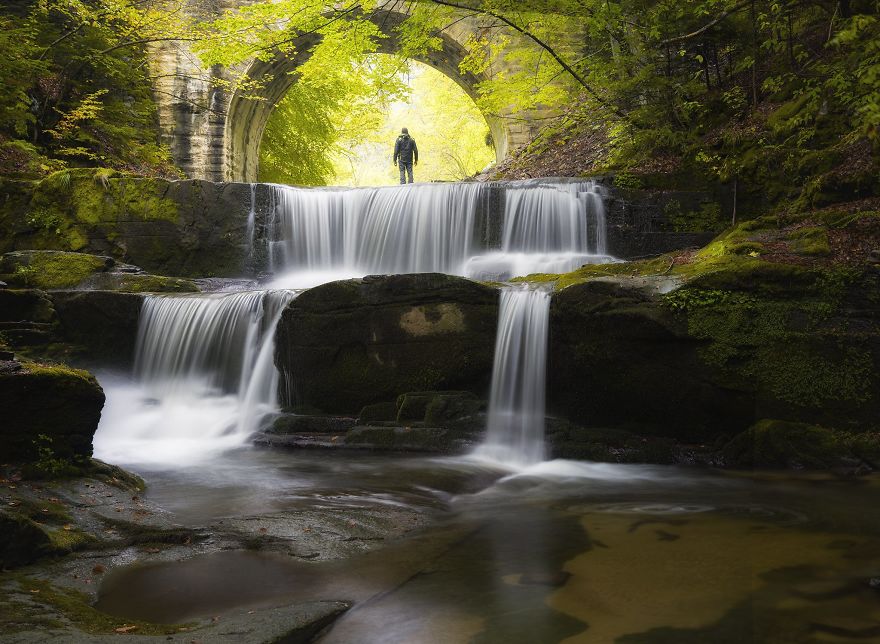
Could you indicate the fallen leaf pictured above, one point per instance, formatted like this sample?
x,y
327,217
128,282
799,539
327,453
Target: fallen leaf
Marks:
x,y
126,629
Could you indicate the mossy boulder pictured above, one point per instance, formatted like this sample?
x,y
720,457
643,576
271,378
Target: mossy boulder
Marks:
x,y
378,412
783,444
734,345
49,412
811,241
50,270
139,283
354,343
618,358
436,407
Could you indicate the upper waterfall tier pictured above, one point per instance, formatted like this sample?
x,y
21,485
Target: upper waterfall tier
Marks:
x,y
479,230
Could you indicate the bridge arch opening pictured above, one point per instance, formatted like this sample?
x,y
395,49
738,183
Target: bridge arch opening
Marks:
x,y
248,116
313,140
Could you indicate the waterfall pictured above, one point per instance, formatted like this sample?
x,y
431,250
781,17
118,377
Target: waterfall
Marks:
x,y
204,372
204,377
318,235
547,228
250,231
515,433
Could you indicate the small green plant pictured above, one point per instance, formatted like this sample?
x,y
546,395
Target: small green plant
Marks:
x,y
627,181
43,219
47,462
24,274
688,299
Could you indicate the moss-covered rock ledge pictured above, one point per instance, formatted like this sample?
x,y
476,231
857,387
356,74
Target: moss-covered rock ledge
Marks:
x,y
58,270
180,228
353,343
777,319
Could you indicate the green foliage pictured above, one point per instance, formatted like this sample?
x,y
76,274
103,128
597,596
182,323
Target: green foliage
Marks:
x,y
691,299
47,464
627,181
77,87
332,107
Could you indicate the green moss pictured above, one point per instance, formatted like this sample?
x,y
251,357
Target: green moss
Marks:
x,y
76,607
153,284
655,266
810,241
66,541
779,345
59,371
43,511
707,218
52,269
145,199
837,219
777,443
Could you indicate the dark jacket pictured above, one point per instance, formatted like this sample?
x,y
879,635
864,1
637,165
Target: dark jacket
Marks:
x,y
405,149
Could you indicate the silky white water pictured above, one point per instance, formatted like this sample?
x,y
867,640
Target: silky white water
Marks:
x,y
317,236
515,429
204,378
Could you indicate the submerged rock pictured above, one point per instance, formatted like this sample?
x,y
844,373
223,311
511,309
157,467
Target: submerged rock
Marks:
x,y
354,343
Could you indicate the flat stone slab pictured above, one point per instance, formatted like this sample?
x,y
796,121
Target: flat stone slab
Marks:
x,y
296,624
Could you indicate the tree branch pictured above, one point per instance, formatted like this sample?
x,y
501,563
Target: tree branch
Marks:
x,y
543,45
708,25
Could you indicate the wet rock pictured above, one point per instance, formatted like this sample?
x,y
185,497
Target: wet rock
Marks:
x,y
32,305
378,412
295,424
436,407
57,270
740,342
21,540
50,412
409,439
848,627
776,443
354,343
180,228
50,269
105,323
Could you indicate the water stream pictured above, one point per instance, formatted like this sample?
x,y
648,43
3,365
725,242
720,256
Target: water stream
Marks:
x,y
501,546
204,374
557,552
515,433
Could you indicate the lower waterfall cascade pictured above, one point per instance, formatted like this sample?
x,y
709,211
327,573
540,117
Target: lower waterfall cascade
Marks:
x,y
515,428
204,372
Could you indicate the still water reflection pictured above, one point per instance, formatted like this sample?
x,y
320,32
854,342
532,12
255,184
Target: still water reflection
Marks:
x,y
561,552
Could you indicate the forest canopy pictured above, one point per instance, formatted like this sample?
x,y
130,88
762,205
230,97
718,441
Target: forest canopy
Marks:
x,y
738,90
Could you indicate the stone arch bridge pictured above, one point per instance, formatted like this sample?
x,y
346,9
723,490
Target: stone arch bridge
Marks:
x,y
215,134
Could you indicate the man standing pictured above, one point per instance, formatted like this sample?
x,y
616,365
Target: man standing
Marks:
x,y
406,152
